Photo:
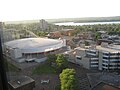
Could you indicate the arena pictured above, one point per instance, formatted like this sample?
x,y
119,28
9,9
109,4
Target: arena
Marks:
x,y
32,49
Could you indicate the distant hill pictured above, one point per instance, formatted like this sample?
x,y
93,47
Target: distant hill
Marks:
x,y
76,20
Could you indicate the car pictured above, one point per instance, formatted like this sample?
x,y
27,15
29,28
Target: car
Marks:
x,y
45,81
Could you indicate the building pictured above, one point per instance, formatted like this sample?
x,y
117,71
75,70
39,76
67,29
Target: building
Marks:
x,y
98,57
43,24
23,83
61,33
30,49
68,32
104,86
104,81
55,34
100,41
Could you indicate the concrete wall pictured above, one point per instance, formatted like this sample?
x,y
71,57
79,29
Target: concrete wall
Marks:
x,y
100,60
17,53
84,60
41,60
64,42
12,53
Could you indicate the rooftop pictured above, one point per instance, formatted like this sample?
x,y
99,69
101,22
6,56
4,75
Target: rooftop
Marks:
x,y
109,48
23,80
34,45
32,42
113,48
109,78
104,86
67,29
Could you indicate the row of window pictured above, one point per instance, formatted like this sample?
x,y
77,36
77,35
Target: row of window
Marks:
x,y
111,61
93,63
91,56
94,52
111,57
111,53
106,65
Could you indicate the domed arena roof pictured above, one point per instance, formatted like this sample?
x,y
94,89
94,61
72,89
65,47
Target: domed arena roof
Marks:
x,y
35,45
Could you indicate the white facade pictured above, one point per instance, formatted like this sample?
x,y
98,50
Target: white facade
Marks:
x,y
31,48
102,58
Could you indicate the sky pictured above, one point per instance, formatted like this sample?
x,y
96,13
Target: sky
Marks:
x,y
13,10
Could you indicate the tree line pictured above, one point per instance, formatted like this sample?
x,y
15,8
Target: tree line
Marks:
x,y
111,29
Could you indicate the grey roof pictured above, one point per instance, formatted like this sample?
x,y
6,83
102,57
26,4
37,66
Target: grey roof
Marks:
x,y
34,44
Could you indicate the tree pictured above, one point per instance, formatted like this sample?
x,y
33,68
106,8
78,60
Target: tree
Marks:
x,y
97,36
86,43
51,58
61,62
68,80
58,61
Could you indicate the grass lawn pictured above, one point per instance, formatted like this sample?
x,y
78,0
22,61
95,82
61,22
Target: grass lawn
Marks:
x,y
44,69
11,67
58,87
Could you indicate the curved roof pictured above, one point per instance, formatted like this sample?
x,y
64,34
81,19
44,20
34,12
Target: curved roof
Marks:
x,y
33,45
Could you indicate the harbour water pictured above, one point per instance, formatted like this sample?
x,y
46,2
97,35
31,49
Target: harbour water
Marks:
x,y
87,23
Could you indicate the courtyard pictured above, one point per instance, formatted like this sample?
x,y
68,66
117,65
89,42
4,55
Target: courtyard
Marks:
x,y
44,72
53,77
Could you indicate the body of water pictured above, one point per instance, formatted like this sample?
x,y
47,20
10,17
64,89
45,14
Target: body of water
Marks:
x,y
88,23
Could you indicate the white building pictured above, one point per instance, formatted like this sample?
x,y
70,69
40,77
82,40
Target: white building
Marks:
x,y
31,48
101,58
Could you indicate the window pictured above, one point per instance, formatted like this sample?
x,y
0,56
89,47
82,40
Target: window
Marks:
x,y
105,57
78,57
94,64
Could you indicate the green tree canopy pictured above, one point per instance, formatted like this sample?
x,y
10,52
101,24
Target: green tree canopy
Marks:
x,y
61,62
68,79
97,36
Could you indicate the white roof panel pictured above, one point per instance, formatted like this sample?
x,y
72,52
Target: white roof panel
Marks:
x,y
35,44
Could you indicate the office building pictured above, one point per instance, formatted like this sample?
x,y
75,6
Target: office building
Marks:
x,y
104,57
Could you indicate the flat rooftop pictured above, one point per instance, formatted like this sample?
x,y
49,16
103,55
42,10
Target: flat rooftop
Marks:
x,y
110,78
21,81
114,49
109,48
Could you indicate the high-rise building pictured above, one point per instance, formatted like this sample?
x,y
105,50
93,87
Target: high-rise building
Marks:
x,y
43,24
